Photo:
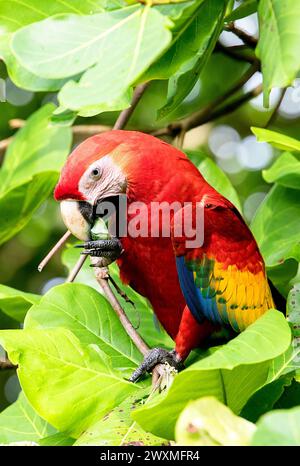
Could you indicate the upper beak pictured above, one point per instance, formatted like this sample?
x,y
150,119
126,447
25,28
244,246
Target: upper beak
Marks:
x,y
78,216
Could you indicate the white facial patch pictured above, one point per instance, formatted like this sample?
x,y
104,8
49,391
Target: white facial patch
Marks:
x,y
111,182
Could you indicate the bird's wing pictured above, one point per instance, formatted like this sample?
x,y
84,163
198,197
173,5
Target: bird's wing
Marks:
x,y
224,279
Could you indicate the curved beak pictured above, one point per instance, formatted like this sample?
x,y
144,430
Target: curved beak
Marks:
x,y
78,216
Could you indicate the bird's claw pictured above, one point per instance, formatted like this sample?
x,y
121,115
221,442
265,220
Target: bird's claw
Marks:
x,y
154,357
109,248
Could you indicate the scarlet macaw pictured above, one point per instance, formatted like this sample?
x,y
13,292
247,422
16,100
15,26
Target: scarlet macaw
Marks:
x,y
192,290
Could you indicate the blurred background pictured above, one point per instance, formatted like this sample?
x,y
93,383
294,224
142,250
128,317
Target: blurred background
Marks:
x,y
228,141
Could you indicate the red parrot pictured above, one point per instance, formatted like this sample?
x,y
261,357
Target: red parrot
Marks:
x,y
192,290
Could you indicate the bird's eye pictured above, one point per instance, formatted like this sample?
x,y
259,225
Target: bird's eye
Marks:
x,y
95,173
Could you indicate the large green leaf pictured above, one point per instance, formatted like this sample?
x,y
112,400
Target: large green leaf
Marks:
x,y
141,315
69,385
117,428
30,170
199,42
132,43
279,140
20,76
15,303
19,422
15,14
208,422
231,374
285,171
90,317
280,427
276,226
117,40
278,45
219,180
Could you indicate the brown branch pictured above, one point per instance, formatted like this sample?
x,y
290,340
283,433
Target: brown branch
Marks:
x,y
6,364
103,282
126,114
274,113
55,248
76,269
241,34
212,110
237,52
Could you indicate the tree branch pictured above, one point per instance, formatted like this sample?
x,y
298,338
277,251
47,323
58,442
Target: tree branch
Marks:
x,y
244,36
237,52
126,114
274,113
213,110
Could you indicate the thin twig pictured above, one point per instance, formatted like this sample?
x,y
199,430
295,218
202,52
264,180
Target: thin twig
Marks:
x,y
81,130
241,34
237,52
274,113
6,364
103,282
126,114
55,248
76,269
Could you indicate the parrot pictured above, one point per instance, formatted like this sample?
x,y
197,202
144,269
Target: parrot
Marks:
x,y
193,289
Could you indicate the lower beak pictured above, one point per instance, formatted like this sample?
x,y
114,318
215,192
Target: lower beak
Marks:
x,y
78,218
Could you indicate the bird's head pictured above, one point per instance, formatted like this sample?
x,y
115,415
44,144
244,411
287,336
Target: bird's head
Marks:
x,y
94,172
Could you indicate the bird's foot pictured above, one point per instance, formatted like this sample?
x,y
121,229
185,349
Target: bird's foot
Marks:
x,y
110,249
154,357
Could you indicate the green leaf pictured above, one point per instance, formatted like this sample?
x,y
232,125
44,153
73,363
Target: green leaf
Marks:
x,y
125,34
19,422
285,171
207,422
15,14
186,42
30,170
280,427
81,385
219,180
90,317
231,374
279,140
132,43
141,315
278,45
247,8
22,77
15,303
117,428
276,226
56,440
264,399
200,40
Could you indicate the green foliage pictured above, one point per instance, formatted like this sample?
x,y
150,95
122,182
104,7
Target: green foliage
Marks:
x,y
278,43
30,170
73,355
278,428
20,422
15,303
231,374
208,422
